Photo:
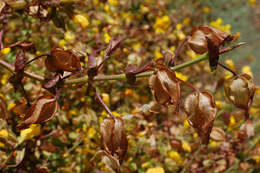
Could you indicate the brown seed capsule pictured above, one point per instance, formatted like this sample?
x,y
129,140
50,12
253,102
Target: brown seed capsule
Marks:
x,y
42,110
217,134
201,110
62,60
240,90
165,87
113,137
247,129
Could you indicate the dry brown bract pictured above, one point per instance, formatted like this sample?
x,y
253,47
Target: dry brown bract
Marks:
x,y
165,87
113,137
62,60
240,90
201,109
42,110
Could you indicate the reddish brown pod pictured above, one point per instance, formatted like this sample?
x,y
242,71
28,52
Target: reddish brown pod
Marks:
x,y
113,137
240,90
62,60
42,110
201,110
165,87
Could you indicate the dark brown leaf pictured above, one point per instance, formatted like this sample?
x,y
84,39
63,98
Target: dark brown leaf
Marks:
x,y
113,45
213,49
4,114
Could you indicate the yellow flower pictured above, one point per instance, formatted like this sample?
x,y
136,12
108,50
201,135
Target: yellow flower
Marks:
x,y
116,114
162,24
213,144
182,76
157,55
6,50
32,131
155,170
82,20
178,26
247,69
72,112
230,64
195,135
91,132
186,146
128,92
256,159
206,10
113,2
10,106
62,43
192,54
137,46
105,98
175,156
4,78
145,164
3,133
107,37
186,124
2,145
69,36
252,2
218,24
219,104
232,121
186,21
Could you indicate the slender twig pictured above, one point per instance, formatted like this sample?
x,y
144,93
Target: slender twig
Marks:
x,y
84,79
178,50
188,84
226,68
104,105
37,57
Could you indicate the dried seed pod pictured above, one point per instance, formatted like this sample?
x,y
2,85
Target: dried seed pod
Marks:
x,y
42,110
217,134
240,90
165,87
62,60
247,129
206,38
201,110
113,137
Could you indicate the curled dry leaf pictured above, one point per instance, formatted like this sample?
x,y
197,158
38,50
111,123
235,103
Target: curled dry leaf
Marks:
x,y
247,129
201,109
240,90
113,45
217,134
113,137
4,114
42,110
62,60
165,87
205,38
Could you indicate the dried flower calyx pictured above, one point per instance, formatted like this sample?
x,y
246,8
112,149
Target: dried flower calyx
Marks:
x,y
240,90
113,137
165,87
201,109
206,38
42,110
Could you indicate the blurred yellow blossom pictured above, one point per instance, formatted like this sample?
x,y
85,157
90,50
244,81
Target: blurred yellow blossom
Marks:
x,y
113,2
162,24
91,132
69,36
214,144
186,21
106,98
218,24
186,146
219,104
182,76
62,43
175,156
256,159
155,170
2,145
186,124
252,2
192,54
82,20
6,50
247,69
232,121
206,10
137,46
10,106
3,133
128,92
107,37
157,55
230,64
4,78
32,131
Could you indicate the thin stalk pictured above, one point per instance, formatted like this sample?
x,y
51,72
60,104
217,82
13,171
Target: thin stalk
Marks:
x,y
178,50
188,84
37,57
226,68
104,105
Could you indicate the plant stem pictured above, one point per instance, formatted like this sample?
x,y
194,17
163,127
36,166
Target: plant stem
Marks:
x,y
104,105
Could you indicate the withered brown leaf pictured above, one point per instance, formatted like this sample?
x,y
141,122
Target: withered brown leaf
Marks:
x,y
113,137
247,129
4,114
62,60
201,110
165,87
42,110
240,90
217,134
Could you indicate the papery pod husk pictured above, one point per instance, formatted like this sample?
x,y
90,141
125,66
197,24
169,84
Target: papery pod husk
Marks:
x,y
240,90
42,110
113,137
217,134
198,41
201,110
62,60
165,88
247,129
